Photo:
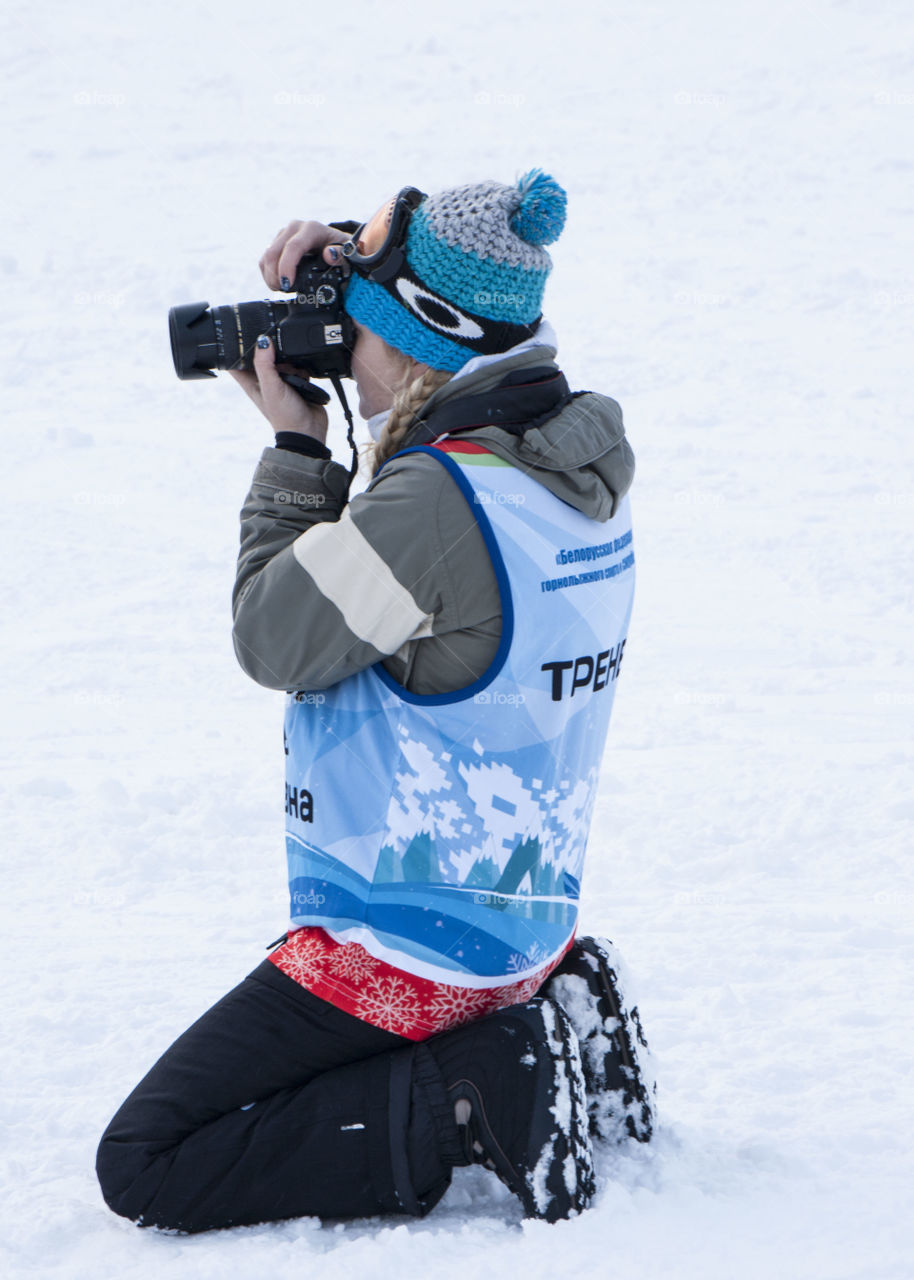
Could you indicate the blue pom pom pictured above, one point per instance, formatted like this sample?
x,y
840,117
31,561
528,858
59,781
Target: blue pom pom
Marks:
x,y
541,215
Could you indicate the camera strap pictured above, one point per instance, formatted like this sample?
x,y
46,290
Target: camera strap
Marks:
x,y
350,429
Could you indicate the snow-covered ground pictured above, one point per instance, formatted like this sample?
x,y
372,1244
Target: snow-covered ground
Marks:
x,y
737,272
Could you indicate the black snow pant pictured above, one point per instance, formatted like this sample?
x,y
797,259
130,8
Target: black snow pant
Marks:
x,y
275,1104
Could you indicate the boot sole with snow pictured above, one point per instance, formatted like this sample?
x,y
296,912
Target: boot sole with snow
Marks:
x,y
618,1069
557,1176
562,1181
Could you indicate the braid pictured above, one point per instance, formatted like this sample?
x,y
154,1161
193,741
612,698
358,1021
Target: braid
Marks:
x,y
410,396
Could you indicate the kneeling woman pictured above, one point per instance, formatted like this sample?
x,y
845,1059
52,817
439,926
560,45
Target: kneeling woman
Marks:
x,y
451,641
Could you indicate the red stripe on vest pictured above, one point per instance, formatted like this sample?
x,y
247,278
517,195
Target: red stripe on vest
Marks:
x,y
460,446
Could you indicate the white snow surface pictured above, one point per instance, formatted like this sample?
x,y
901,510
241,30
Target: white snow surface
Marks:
x,y
738,271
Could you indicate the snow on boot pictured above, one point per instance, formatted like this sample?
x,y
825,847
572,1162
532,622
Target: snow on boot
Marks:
x,y
592,985
517,1086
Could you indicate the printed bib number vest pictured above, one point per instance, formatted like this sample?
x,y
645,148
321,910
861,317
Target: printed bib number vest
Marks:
x,y
446,834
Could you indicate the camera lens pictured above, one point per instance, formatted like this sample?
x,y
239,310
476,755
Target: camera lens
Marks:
x,y
204,338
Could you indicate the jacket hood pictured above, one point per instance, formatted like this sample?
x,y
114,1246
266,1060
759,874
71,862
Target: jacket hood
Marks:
x,y
581,454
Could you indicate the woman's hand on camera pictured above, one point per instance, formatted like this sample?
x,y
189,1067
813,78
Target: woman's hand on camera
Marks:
x,y
280,262
279,403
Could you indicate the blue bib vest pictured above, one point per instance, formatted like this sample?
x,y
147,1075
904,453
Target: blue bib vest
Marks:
x,y
446,833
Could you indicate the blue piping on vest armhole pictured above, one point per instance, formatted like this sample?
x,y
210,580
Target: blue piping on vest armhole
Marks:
x,y
504,591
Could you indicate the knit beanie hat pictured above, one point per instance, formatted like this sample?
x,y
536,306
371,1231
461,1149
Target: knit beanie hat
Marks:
x,y
474,272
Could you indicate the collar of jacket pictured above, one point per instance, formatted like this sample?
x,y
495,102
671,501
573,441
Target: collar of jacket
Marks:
x,y
490,375
523,399
579,429
580,452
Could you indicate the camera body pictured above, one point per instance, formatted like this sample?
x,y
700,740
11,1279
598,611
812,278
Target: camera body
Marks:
x,y
311,331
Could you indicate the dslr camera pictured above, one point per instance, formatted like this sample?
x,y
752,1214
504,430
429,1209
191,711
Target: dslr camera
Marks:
x,y
311,331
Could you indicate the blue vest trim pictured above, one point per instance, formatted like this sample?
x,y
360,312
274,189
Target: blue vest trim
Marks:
x,y
504,591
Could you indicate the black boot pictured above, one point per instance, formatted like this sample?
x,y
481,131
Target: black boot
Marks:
x,y
618,1070
517,1089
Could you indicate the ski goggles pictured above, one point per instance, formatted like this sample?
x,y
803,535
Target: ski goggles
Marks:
x,y
387,230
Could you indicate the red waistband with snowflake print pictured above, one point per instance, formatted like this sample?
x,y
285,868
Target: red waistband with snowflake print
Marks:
x,y
346,976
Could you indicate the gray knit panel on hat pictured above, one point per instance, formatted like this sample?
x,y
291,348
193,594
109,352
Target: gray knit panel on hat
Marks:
x,y
476,217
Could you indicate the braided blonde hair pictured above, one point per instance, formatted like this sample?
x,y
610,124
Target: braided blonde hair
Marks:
x,y
409,397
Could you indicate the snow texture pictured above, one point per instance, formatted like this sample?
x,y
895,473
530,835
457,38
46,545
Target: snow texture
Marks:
x,y
737,271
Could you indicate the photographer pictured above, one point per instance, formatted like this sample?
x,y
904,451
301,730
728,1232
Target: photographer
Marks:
x,y
450,640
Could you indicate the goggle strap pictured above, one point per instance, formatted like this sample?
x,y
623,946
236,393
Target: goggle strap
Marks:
x,y
387,269
405,204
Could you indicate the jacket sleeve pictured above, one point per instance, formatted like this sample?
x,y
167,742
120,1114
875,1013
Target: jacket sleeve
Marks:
x,y
325,588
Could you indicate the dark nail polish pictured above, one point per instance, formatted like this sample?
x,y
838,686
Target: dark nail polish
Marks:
x,y
334,253
285,283
263,341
